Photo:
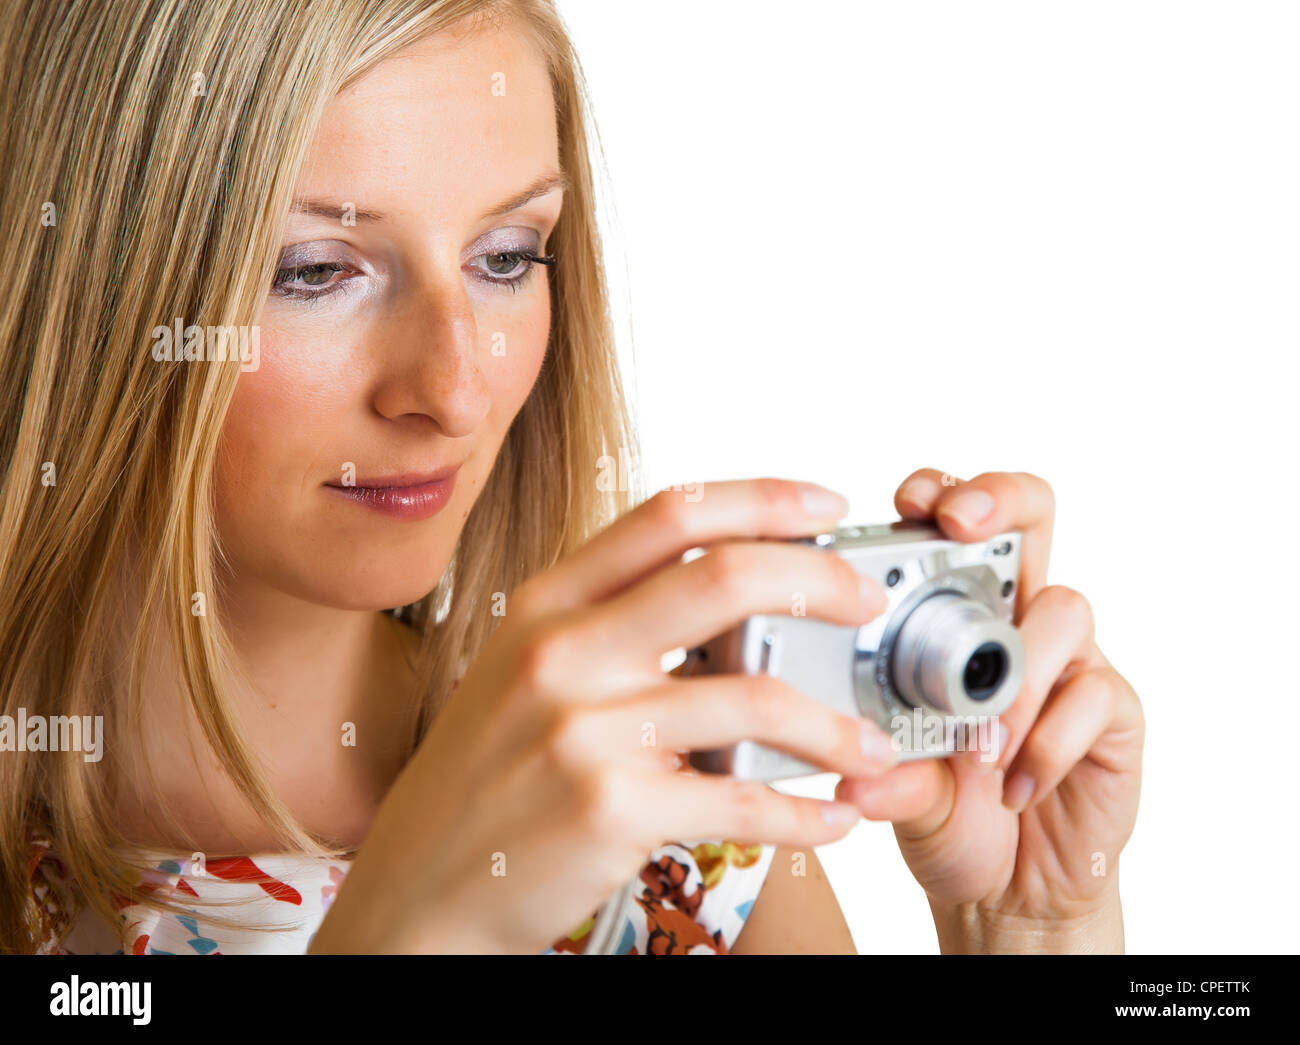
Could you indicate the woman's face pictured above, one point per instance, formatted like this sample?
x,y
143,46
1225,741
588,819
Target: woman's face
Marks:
x,y
405,330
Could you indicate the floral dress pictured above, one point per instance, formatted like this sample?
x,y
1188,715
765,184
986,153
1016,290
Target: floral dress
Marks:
x,y
692,898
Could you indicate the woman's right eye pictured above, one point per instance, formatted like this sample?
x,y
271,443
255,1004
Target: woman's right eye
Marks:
x,y
308,281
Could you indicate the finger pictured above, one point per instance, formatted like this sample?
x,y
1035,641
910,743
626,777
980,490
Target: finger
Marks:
x,y
995,502
917,796
674,521
991,503
709,806
688,603
1057,633
1079,713
918,494
720,710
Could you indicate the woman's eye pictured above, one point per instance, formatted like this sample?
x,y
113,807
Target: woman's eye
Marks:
x,y
510,267
504,264
507,268
308,281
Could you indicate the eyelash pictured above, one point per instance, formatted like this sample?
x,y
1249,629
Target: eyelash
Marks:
x,y
521,255
286,275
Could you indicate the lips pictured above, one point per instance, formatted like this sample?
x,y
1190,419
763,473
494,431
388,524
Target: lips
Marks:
x,y
409,495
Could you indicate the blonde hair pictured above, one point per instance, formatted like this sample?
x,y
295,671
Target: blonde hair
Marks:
x,y
169,202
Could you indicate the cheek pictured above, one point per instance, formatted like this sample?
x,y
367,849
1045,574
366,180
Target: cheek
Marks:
x,y
279,421
513,357
293,423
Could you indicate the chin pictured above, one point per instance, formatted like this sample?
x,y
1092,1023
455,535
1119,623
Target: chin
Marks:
x,y
373,592
375,584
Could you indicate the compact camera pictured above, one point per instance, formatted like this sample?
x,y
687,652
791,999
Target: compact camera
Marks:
x,y
934,670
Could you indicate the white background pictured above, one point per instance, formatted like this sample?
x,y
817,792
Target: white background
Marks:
x,y
848,240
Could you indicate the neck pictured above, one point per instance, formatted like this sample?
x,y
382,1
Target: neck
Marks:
x,y
305,660
320,695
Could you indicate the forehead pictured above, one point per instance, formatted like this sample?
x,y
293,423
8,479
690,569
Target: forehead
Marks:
x,y
453,119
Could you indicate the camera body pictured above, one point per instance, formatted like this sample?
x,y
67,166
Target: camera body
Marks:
x,y
934,670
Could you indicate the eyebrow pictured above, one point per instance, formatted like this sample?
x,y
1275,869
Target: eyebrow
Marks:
x,y
330,208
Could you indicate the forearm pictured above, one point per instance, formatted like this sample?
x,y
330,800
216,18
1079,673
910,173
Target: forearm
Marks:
x,y
340,937
366,918
964,930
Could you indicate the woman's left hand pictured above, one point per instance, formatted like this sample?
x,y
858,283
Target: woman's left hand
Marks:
x,y
1020,852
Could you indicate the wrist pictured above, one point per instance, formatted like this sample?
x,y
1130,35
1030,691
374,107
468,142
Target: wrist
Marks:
x,y
1097,928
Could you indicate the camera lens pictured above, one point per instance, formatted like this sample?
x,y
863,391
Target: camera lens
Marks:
x,y
952,655
984,671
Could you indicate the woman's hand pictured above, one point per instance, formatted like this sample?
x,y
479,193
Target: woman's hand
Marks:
x,y
1022,853
550,773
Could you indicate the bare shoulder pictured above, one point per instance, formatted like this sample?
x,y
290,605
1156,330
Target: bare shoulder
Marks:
x,y
796,911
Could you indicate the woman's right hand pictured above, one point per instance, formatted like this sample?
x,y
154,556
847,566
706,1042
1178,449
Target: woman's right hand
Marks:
x,y
551,772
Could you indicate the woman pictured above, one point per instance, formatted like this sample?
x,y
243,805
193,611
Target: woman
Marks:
x,y
309,323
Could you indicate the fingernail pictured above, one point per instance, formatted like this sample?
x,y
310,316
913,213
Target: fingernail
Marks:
x,y
877,746
921,492
823,503
1018,791
837,814
873,595
969,507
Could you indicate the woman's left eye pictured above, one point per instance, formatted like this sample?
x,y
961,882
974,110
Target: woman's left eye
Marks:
x,y
509,268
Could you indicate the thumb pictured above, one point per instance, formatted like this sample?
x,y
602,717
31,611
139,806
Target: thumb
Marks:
x,y
917,797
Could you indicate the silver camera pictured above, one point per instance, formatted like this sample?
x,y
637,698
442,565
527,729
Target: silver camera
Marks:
x,y
934,670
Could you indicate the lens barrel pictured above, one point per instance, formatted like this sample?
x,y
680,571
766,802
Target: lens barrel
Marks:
x,y
953,656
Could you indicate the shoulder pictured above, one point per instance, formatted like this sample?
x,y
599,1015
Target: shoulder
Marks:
x,y
797,912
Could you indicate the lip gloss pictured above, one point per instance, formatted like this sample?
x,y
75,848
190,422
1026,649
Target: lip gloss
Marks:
x,y
408,497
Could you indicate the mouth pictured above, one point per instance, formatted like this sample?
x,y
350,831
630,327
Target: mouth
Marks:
x,y
408,496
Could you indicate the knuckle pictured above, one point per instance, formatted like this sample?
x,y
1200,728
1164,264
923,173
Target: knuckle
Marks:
x,y
569,743
1069,602
746,802
672,514
1128,696
603,802
541,657
775,496
725,571
524,602
1111,686
1104,678
1040,493
1044,488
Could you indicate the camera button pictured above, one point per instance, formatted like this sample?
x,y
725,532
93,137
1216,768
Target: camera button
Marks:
x,y
769,657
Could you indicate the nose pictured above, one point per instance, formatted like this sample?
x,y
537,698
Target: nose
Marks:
x,y
430,366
